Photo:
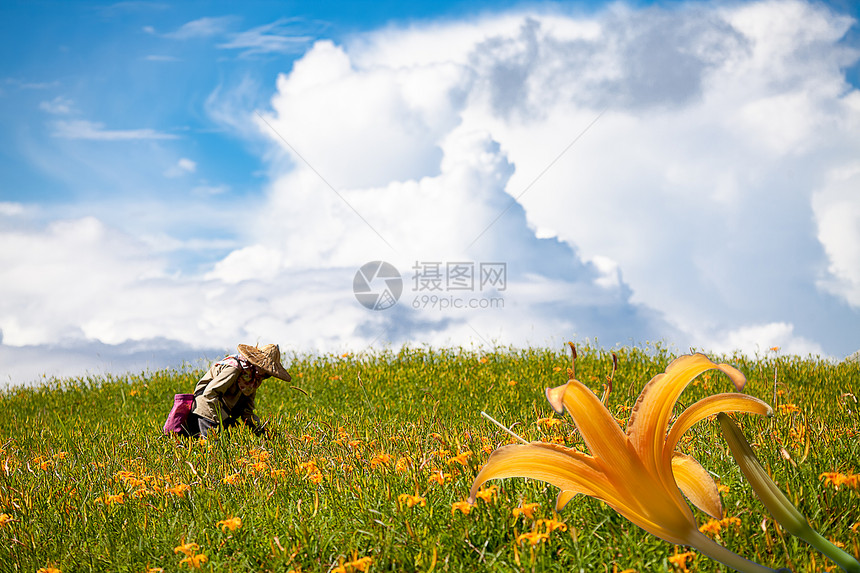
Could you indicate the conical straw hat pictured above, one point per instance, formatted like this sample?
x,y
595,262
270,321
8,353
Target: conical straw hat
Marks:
x,y
268,358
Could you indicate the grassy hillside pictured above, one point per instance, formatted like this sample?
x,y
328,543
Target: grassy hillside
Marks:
x,y
366,471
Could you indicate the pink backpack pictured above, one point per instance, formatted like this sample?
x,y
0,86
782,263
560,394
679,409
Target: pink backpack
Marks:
x,y
182,405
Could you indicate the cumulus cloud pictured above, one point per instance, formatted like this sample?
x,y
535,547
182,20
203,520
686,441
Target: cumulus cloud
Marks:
x,y
715,129
837,216
683,174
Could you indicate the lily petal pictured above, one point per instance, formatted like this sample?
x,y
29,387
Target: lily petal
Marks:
x,y
563,498
602,434
574,472
650,416
697,484
710,406
565,468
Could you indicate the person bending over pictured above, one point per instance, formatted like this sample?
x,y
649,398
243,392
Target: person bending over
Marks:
x,y
227,392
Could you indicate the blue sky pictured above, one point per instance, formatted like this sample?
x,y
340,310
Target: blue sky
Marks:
x,y
180,178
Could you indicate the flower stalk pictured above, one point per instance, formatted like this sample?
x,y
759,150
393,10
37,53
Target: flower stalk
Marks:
x,y
782,510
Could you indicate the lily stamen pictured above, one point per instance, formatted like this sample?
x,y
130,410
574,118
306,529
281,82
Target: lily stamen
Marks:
x,y
503,427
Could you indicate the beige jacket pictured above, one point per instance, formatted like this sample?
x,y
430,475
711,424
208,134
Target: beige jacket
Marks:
x,y
218,397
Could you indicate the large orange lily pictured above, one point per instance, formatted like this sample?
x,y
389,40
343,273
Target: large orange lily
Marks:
x,y
637,473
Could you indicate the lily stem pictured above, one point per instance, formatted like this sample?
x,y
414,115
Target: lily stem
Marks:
x,y
714,550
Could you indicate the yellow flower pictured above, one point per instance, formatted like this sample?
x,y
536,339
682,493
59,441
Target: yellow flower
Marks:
x,y
714,526
178,490
187,548
402,465
43,463
111,499
463,507
354,565
154,570
549,422
623,465
309,467
195,561
48,569
461,458
232,479
527,509
439,477
837,479
680,560
232,523
552,525
487,494
411,500
533,537
788,408
4,519
381,459
259,467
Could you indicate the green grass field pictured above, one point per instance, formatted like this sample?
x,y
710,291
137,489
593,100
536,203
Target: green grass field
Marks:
x,y
366,471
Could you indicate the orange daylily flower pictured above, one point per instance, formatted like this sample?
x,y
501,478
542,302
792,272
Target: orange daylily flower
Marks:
x,y
186,548
178,490
232,523
527,509
552,525
487,494
412,500
195,561
622,465
354,565
380,460
680,560
462,458
533,537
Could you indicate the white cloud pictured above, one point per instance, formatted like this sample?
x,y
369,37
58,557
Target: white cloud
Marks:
x,y
8,209
697,181
204,28
207,190
90,130
161,58
60,105
710,204
182,167
278,37
837,215
758,339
